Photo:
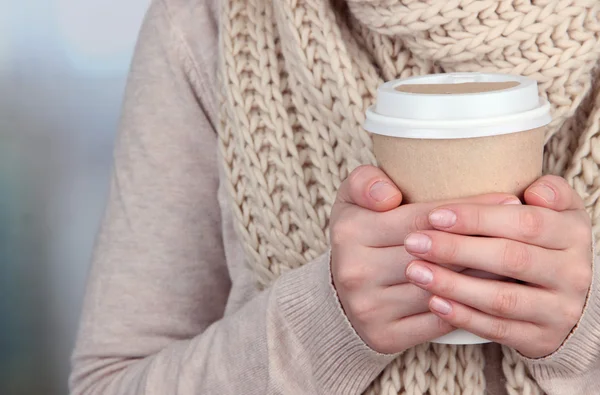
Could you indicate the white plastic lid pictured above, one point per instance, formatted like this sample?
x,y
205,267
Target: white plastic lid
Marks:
x,y
450,115
460,336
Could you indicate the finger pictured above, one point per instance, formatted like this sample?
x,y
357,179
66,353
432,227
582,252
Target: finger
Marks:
x,y
498,298
504,257
528,224
392,303
392,227
523,336
555,193
405,300
389,264
484,275
370,188
372,267
386,266
417,329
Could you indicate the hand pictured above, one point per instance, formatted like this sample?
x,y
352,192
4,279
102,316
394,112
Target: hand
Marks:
x,y
546,245
369,260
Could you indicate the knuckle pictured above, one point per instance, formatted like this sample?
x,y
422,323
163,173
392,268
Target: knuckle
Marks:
x,y
448,250
463,320
581,278
547,341
343,229
420,221
380,341
447,287
444,326
350,277
498,331
582,232
505,301
571,313
422,296
547,345
515,259
363,310
382,223
531,223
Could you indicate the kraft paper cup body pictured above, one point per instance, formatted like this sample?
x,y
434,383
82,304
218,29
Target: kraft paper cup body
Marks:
x,y
455,135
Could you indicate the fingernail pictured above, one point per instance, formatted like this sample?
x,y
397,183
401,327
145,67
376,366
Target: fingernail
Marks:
x,y
382,191
417,242
510,201
442,218
419,274
545,192
440,305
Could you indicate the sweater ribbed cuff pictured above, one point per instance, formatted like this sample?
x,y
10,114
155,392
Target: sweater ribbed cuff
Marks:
x,y
341,361
581,350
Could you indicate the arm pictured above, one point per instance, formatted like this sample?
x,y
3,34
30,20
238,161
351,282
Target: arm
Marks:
x,y
152,320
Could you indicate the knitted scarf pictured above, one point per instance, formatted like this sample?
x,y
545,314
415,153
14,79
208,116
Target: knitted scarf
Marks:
x,y
296,77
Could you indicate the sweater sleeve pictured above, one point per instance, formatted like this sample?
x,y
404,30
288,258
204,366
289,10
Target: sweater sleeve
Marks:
x,y
153,319
575,367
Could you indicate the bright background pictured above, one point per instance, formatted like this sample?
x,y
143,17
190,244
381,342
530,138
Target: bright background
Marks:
x,y
63,65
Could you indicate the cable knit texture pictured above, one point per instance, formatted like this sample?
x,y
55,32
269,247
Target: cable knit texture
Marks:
x,y
296,78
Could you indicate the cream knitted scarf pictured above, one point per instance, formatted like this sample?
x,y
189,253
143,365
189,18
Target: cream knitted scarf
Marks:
x,y
296,78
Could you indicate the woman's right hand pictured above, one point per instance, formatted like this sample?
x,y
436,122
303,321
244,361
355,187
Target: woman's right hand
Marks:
x,y
368,261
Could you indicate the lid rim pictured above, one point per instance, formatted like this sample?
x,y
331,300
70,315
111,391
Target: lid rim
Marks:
x,y
457,129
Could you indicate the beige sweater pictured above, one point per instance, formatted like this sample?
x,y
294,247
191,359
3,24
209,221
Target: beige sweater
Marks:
x,y
171,306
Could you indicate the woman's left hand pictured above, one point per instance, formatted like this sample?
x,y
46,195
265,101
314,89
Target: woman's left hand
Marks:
x,y
546,244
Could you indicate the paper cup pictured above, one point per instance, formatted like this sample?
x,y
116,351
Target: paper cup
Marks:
x,y
448,136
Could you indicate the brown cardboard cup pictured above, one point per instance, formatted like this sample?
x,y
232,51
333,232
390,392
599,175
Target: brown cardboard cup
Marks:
x,y
429,170
455,135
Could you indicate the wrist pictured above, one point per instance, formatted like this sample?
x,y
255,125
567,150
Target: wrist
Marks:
x,y
310,306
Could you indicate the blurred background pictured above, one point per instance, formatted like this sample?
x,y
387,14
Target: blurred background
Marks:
x,y
63,65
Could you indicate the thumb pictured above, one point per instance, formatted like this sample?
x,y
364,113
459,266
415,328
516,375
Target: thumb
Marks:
x,y
553,192
369,187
